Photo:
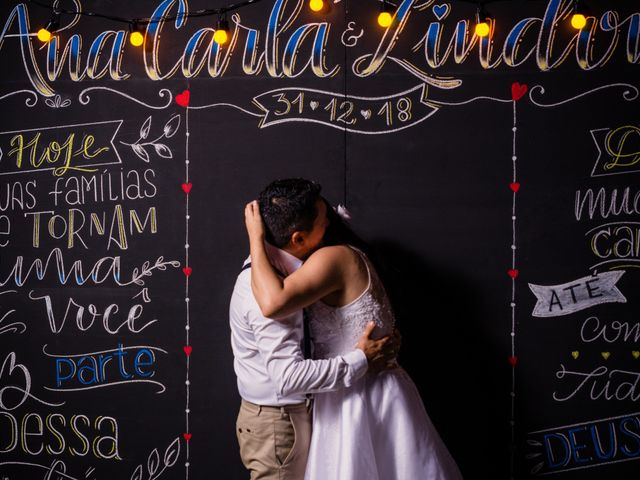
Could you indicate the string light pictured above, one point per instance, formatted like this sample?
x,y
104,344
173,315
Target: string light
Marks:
x,y
578,19
384,17
136,38
221,34
316,5
483,20
45,34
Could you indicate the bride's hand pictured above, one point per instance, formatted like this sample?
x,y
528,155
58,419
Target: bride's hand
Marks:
x,y
253,221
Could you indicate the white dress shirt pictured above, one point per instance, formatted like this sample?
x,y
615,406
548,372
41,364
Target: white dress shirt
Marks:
x,y
268,358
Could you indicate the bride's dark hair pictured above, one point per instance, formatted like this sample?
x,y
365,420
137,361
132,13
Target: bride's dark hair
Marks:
x,y
339,232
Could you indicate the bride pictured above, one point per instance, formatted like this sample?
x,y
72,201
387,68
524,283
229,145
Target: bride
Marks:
x,y
378,429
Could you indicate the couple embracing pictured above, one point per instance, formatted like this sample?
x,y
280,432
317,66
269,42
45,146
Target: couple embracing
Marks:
x,y
312,332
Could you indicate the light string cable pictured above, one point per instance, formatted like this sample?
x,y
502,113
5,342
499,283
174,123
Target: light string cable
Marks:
x,y
144,21
197,13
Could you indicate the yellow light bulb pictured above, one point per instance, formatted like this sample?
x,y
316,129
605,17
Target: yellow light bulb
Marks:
x,y
220,37
44,35
136,39
482,29
578,21
384,19
316,5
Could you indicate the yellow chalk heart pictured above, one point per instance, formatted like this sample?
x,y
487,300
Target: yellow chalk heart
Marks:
x,y
636,354
605,355
575,354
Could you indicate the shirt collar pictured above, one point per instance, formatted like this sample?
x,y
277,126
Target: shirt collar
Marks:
x,y
283,261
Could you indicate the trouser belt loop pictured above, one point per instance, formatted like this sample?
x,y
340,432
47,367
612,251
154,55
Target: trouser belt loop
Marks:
x,y
259,409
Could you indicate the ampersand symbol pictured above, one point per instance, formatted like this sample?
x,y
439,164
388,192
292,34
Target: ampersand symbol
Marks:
x,y
351,40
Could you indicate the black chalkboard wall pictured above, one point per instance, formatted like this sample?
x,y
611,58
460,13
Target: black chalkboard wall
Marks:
x,y
497,179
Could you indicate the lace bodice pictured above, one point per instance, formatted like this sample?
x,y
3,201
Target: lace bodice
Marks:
x,y
336,330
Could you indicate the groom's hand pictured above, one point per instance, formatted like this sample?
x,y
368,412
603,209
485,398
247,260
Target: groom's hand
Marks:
x,y
380,353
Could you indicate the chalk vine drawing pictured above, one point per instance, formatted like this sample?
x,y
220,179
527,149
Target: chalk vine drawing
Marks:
x,y
139,147
57,102
153,470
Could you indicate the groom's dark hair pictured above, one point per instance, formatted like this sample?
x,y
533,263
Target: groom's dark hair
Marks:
x,y
287,206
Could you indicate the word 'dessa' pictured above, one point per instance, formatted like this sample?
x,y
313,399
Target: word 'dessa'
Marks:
x,y
573,296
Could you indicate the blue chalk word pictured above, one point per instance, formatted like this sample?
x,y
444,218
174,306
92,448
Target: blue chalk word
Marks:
x,y
113,366
587,445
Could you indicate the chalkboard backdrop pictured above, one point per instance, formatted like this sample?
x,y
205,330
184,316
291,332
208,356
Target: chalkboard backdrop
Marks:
x,y
496,177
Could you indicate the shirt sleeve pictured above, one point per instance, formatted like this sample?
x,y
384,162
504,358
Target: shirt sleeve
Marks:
x,y
279,346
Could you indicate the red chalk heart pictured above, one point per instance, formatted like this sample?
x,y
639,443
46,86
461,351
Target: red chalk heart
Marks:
x,y
182,99
187,436
188,349
186,187
518,91
513,273
515,186
513,360
187,271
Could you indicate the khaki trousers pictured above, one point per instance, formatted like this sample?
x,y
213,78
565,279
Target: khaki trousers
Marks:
x,y
274,441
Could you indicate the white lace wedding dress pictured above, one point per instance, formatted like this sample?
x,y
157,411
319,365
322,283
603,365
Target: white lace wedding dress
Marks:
x,y
378,429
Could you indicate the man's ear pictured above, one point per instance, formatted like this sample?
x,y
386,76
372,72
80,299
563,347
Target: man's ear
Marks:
x,y
297,238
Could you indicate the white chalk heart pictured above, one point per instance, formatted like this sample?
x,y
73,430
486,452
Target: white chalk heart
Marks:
x,y
313,105
366,114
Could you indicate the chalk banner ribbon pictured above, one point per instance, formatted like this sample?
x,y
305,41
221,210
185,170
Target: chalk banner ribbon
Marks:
x,y
367,115
61,149
556,300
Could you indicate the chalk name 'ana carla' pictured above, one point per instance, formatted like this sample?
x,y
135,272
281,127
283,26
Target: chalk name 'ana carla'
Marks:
x,y
280,48
56,434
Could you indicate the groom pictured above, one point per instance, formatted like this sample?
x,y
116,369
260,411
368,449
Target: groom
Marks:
x,y
271,358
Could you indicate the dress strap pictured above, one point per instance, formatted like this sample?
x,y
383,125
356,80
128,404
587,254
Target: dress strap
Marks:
x,y
365,259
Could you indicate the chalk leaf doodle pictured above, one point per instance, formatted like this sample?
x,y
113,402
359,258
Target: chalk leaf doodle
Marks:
x,y
585,292
139,147
171,455
57,102
618,150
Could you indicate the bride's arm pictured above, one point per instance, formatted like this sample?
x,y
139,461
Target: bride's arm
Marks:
x,y
320,275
